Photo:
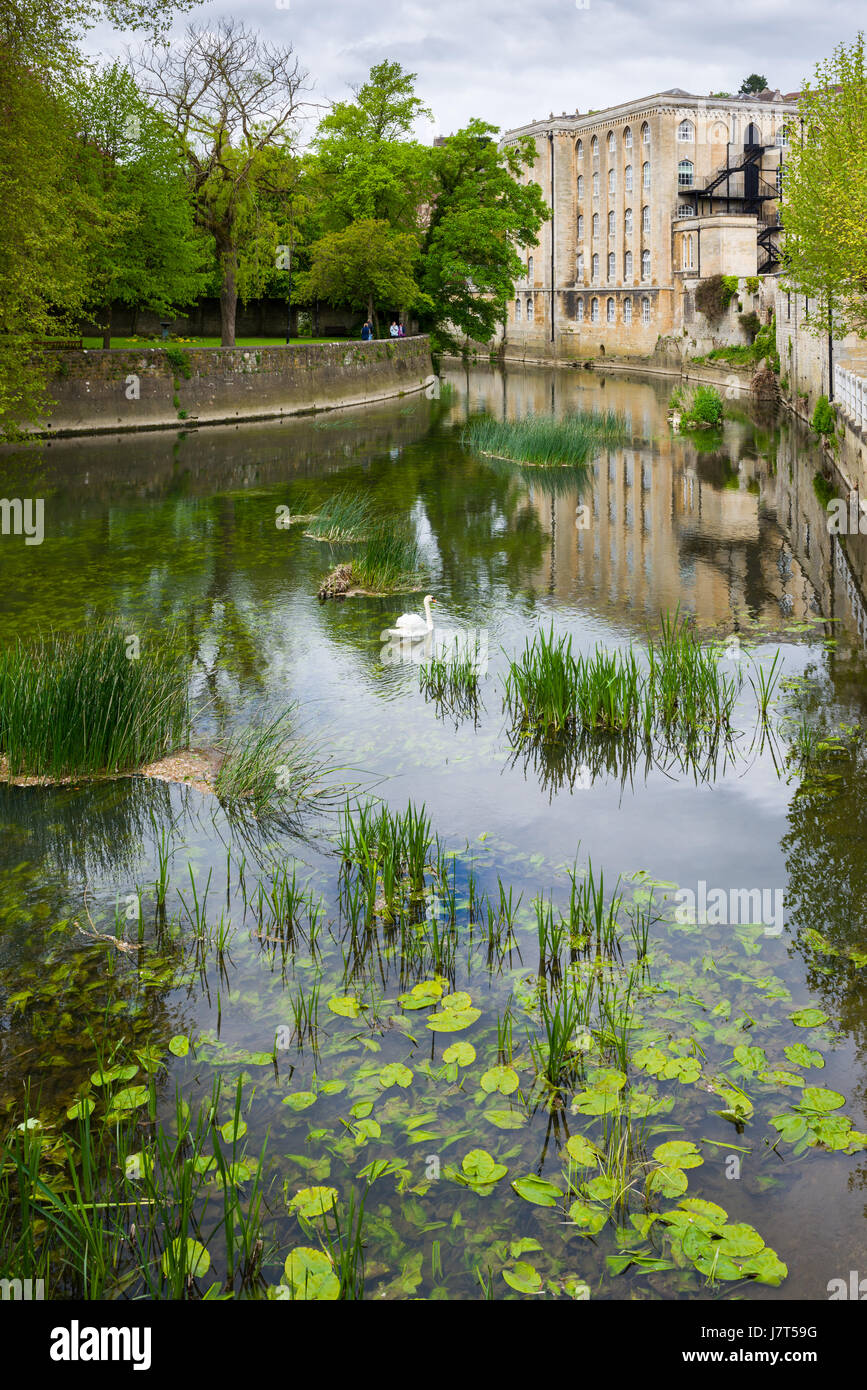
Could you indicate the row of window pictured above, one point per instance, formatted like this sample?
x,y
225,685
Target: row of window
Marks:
x,y
610,310
685,178
685,136
612,223
612,263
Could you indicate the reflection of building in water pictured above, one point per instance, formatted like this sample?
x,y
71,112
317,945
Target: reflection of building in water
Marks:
x,y
666,523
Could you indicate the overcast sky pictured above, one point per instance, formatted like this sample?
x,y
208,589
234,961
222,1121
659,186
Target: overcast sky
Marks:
x,y
511,62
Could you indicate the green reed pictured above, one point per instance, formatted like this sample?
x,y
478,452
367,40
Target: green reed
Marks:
x,y
345,516
80,705
546,440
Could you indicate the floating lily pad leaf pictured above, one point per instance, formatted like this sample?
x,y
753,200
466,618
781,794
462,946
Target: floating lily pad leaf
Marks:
x,y
750,1057
684,1069
395,1074
459,1000
331,1088
368,1128
310,1275
596,1102
651,1059
463,1053
345,1005
766,1267
643,1103
130,1098
779,1077
453,1021
478,1163
179,1045
601,1188
422,995
198,1261
522,1246
232,1131
538,1191
582,1151
670,1182
820,1100
678,1153
502,1079
589,1218
706,1211
313,1201
300,1100
85,1106
204,1163
361,1109
804,1056
135,1166
714,1265
791,1127
524,1278
504,1119
740,1239
808,1018
118,1073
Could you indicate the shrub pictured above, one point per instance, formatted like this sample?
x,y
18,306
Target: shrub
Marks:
x,y
751,324
714,295
824,419
700,406
752,284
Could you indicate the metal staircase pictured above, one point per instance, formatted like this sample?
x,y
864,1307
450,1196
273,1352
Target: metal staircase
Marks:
x,y
739,181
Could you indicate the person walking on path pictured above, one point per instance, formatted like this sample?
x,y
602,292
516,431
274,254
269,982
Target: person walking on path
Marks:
x,y
394,330
366,332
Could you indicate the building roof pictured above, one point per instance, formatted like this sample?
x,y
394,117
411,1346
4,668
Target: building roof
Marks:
x,y
672,96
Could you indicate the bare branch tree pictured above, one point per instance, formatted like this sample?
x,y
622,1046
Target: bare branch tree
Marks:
x,y
231,97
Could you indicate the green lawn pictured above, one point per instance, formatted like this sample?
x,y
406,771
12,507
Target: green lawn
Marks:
x,y
206,342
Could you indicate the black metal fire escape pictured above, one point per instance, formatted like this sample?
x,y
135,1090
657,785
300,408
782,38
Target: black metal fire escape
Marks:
x,y
740,186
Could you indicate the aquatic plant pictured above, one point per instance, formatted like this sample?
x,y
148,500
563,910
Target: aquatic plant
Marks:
x,y
452,679
345,516
546,440
91,702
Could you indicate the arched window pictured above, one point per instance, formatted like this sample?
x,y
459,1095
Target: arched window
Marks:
x,y
627,176
781,139
594,147
579,266
580,186
687,252
645,310
529,310
645,265
645,134
611,269
609,310
645,219
612,180
517,311
685,171
627,311
686,132
611,224
645,175
579,149
579,311
596,184
580,226
753,136
594,269
627,138
612,143
595,225
594,310
720,135
627,266
530,268
627,221
685,210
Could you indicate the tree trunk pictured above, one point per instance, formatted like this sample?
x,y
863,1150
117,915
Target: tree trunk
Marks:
x,y
371,314
228,295
106,330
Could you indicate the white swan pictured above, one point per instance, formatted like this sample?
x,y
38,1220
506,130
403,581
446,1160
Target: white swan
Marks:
x,y
412,625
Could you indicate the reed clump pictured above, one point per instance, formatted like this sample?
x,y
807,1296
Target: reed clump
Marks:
x,y
546,440
91,702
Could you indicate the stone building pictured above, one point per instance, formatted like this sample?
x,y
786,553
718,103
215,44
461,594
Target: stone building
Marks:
x,y
648,198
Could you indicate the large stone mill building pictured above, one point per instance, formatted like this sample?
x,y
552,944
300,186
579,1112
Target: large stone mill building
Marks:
x,y
647,199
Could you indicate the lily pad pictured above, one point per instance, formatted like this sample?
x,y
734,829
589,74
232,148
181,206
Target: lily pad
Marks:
x,y
820,1100
524,1278
311,1202
197,1261
678,1153
344,1005
310,1275
808,1018
395,1074
463,1053
179,1045
582,1151
502,1079
538,1191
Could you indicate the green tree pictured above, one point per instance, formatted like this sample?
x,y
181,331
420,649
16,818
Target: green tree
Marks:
x,y
824,202
479,216
754,83
145,250
233,100
368,265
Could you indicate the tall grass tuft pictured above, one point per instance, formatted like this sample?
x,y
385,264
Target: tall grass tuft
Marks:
x,y
546,440
388,558
345,516
79,705
269,770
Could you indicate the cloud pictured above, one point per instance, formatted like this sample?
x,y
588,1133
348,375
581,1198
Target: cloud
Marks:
x,y
512,62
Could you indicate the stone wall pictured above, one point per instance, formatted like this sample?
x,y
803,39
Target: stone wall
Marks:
x,y
152,388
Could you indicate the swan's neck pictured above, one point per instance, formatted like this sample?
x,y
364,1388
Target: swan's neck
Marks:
x,y
428,614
